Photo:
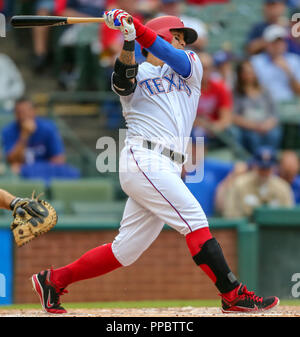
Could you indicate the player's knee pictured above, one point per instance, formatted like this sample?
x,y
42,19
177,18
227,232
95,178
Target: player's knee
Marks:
x,y
124,253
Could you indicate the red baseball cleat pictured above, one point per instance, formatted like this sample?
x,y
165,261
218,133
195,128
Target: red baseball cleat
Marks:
x,y
48,292
242,300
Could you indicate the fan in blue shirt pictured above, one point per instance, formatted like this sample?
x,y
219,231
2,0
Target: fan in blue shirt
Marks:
x,y
30,139
276,69
273,11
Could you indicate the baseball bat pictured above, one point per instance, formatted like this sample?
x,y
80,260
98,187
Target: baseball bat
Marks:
x,y
29,21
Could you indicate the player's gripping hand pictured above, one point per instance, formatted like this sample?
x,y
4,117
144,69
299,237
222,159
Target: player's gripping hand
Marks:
x,y
120,20
32,217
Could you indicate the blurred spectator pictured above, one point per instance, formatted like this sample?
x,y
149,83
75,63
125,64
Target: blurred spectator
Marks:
x,y
288,170
41,36
206,2
7,7
293,39
79,44
274,13
148,8
86,8
277,70
214,112
202,41
224,65
30,139
11,83
171,7
225,185
258,187
255,112
293,3
60,6
176,8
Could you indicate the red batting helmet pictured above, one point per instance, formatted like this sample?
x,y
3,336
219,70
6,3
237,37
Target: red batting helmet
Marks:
x,y
163,25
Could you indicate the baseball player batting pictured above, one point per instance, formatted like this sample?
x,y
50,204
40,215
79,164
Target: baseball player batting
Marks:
x,y
159,100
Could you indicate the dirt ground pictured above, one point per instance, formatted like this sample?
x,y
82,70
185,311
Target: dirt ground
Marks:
x,y
281,311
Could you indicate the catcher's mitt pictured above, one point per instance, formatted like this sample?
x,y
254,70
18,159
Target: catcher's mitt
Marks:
x,y
32,217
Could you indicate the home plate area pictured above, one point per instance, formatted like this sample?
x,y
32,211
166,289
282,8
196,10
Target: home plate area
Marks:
x,y
281,311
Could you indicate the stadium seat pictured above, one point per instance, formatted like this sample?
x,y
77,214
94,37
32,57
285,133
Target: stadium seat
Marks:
x,y
22,188
81,196
219,169
59,207
83,190
214,172
48,171
99,208
86,190
204,192
223,32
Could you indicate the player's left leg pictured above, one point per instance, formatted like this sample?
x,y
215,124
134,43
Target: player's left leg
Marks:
x,y
208,255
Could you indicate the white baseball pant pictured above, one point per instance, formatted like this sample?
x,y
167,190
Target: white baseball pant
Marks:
x,y
157,196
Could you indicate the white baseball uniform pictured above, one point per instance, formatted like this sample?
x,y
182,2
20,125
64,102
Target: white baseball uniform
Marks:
x,y
162,109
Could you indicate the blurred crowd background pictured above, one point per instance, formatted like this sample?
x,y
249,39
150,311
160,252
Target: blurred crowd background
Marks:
x,y
55,99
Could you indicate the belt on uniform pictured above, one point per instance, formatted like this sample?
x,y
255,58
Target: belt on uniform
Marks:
x,y
174,156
